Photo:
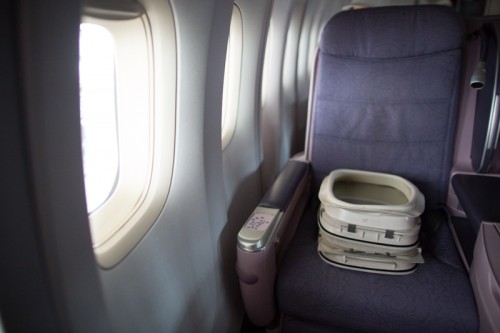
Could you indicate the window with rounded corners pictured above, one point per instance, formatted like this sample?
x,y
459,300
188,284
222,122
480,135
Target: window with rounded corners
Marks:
x,y
232,77
127,110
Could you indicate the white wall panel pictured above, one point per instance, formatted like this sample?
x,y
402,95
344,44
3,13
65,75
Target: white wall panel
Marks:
x,y
274,119
294,24
173,280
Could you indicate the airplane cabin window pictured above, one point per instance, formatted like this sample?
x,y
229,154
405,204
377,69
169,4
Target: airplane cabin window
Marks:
x,y
127,128
232,75
98,113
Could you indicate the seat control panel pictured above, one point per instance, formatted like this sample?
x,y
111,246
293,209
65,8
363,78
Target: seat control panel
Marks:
x,y
258,230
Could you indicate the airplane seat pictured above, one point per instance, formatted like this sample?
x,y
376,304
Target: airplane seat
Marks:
x,y
384,99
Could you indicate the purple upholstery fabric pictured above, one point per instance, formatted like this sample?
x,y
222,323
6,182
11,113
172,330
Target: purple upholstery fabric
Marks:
x,y
385,100
392,32
316,297
388,114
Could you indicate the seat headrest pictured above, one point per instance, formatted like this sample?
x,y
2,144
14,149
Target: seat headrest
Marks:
x,y
392,32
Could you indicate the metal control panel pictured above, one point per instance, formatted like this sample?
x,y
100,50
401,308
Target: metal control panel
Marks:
x,y
257,231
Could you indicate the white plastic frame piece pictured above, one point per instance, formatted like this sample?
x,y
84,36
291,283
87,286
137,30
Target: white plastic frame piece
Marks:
x,y
413,206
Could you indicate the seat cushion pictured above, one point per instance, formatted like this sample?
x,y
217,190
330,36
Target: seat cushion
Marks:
x,y
317,297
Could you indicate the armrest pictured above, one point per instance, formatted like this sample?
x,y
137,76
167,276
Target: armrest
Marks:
x,y
485,276
281,192
265,235
478,195
257,232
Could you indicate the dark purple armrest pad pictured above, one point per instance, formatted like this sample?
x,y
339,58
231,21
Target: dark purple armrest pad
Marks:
x,y
285,185
479,197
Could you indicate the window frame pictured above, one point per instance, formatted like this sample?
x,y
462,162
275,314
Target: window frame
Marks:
x,y
142,188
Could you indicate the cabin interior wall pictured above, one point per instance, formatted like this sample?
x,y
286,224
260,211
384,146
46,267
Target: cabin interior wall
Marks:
x,y
306,54
180,277
17,235
174,280
294,30
46,237
274,120
184,266
241,158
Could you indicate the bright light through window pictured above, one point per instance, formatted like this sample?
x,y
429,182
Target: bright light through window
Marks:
x,y
128,96
98,113
232,75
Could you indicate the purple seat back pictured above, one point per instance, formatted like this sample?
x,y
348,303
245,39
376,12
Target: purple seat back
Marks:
x,y
386,94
